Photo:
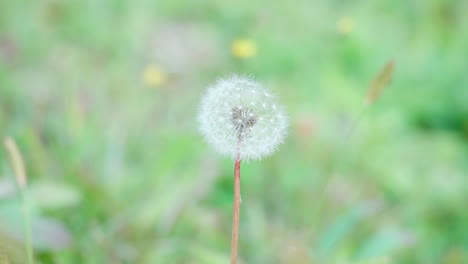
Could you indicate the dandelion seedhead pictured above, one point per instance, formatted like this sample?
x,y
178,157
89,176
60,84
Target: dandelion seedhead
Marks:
x,y
242,119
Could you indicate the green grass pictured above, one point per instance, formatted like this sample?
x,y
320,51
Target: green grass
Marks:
x,y
120,174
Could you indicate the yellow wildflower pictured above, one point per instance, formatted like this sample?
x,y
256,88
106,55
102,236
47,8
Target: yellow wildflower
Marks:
x,y
243,48
154,76
345,25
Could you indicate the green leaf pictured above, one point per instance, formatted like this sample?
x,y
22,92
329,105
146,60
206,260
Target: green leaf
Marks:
x,y
47,233
383,243
53,195
341,227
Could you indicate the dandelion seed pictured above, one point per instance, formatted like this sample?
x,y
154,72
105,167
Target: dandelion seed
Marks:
x,y
233,99
254,131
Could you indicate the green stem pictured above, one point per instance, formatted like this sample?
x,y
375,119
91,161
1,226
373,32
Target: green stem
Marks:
x,y
347,138
27,226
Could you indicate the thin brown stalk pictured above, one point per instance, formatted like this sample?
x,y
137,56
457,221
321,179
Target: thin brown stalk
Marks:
x,y
236,211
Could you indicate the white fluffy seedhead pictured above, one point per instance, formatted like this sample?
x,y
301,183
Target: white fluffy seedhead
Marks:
x,y
242,119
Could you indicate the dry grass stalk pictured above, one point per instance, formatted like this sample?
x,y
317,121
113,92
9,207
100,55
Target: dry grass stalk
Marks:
x,y
16,162
380,82
20,174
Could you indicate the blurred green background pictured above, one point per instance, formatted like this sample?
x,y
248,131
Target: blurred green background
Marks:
x,y
101,98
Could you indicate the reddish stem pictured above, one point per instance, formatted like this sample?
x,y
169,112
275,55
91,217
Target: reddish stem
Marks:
x,y
236,211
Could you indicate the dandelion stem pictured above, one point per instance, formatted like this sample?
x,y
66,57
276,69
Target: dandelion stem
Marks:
x,y
236,211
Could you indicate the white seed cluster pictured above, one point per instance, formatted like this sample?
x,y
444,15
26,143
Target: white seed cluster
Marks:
x,y
240,118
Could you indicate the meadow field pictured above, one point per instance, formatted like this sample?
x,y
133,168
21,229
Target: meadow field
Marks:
x,y
101,99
